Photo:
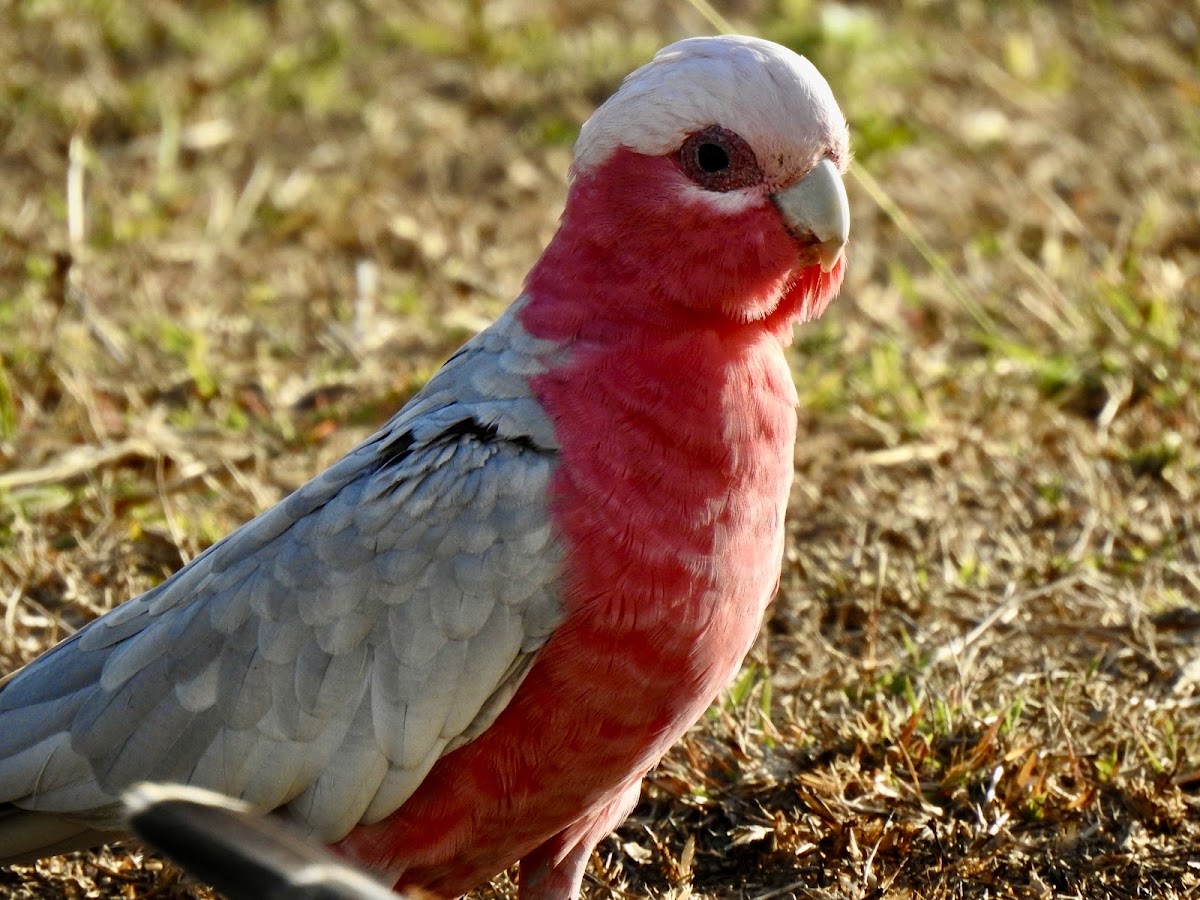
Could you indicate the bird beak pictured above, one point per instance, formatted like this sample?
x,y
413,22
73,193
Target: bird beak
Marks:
x,y
817,213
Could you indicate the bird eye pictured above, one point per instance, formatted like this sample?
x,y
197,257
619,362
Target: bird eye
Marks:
x,y
717,159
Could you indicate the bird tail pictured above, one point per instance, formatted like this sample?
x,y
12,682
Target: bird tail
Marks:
x,y
243,855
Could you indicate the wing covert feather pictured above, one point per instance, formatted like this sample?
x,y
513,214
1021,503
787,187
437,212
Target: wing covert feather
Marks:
x,y
325,654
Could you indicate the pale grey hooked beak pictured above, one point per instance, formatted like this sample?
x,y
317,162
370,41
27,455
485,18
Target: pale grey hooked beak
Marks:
x,y
817,212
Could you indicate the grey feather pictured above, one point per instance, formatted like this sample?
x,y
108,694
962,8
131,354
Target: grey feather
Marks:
x,y
324,655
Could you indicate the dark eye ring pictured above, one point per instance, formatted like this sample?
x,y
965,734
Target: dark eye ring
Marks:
x,y
718,159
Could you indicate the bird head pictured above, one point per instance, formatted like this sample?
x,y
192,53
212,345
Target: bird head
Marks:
x,y
709,186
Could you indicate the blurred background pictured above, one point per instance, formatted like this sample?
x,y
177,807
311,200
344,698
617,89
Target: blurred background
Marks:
x,y
235,236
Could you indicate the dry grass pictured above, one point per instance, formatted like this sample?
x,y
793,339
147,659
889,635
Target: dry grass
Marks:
x,y
234,237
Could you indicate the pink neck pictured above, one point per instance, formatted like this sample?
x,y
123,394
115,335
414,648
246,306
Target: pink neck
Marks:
x,y
674,408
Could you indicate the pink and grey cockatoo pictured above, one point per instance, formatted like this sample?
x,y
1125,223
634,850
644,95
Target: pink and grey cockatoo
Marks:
x,y
465,643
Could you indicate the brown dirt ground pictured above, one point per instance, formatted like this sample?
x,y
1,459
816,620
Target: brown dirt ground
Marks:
x,y
235,236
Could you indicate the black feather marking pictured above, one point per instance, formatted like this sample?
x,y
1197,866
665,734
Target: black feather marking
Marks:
x,y
396,450
487,434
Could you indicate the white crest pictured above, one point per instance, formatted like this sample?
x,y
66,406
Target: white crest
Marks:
x,y
774,98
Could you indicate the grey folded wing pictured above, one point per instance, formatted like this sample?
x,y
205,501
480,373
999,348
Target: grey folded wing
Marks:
x,y
327,653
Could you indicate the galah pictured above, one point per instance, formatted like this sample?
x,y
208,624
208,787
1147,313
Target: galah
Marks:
x,y
464,644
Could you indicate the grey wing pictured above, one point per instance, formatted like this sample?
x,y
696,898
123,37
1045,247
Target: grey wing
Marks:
x,y
326,654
